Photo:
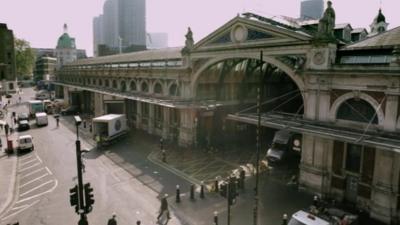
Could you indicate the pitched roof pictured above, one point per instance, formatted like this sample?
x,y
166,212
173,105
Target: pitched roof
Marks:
x,y
358,30
147,55
387,39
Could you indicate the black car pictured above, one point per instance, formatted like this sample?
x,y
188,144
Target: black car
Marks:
x,y
72,110
23,116
23,125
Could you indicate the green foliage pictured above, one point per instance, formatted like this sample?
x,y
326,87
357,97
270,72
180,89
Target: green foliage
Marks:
x,y
24,57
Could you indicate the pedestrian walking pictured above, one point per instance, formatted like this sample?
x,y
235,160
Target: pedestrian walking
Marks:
x,y
58,121
15,120
112,220
6,127
164,207
138,222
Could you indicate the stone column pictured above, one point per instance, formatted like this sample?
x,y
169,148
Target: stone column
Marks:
x,y
314,163
384,196
166,123
186,128
151,119
98,105
392,105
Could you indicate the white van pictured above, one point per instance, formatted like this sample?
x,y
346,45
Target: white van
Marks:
x,y
41,119
25,143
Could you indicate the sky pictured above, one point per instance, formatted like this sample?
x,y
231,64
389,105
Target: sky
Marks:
x,y
40,22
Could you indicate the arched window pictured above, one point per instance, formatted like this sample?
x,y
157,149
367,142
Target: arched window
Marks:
x,y
107,83
123,86
100,82
114,84
133,86
357,110
145,87
158,88
174,90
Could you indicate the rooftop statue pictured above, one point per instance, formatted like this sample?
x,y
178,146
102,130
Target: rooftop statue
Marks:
x,y
189,43
326,24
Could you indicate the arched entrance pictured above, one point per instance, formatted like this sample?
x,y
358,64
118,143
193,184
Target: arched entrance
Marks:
x,y
232,83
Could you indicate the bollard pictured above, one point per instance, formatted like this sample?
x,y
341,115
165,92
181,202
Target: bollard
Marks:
x,y
216,186
215,217
202,190
192,192
178,194
284,219
164,156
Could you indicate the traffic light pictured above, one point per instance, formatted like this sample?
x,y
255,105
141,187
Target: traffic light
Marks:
x,y
89,201
73,198
232,191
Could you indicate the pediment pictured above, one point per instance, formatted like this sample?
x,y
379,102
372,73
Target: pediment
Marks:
x,y
246,32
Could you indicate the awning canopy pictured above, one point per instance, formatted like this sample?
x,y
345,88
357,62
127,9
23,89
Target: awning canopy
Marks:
x,y
380,139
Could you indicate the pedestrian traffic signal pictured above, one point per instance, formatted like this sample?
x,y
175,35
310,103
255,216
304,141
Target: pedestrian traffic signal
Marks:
x,y
73,198
89,201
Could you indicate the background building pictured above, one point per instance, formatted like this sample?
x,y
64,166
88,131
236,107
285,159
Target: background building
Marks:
x,y
7,60
66,49
311,9
44,68
121,27
157,40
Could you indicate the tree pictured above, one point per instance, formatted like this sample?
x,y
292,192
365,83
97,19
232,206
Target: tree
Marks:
x,y
24,58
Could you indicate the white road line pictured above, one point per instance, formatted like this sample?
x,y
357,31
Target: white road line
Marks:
x,y
27,157
26,168
22,206
30,173
35,188
40,160
40,194
49,171
22,164
13,214
31,181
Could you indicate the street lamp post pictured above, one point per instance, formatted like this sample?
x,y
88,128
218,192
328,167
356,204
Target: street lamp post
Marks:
x,y
81,212
255,212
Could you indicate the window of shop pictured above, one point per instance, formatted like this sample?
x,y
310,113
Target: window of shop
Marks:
x,y
353,158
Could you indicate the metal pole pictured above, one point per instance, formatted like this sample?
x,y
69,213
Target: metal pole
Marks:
x,y
229,205
255,213
80,182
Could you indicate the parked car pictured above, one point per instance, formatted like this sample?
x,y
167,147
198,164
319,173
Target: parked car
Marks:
x,y
25,142
23,116
72,110
23,125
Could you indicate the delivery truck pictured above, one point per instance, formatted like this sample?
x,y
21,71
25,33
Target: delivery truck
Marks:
x,y
41,119
110,127
35,106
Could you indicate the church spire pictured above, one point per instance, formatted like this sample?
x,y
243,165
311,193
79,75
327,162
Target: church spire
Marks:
x,y
379,24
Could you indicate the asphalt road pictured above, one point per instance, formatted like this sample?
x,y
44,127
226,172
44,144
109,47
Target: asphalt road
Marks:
x,y
128,186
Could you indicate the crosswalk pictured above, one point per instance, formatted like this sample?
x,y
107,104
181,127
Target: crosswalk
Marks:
x,y
34,179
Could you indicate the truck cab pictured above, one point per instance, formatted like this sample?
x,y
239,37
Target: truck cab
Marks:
x,y
285,144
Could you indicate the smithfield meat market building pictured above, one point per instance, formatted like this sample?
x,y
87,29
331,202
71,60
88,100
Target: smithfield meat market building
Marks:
x,y
335,86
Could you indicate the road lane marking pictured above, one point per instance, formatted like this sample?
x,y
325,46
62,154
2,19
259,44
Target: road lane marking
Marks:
x,y
40,194
49,171
22,164
35,188
31,181
13,214
27,157
26,168
30,173
40,160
